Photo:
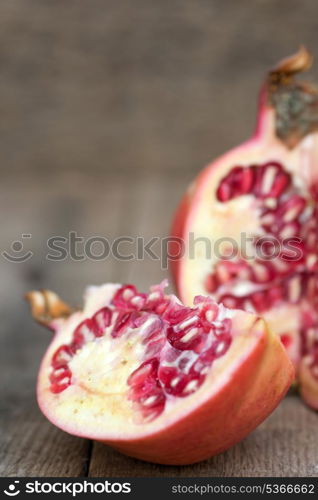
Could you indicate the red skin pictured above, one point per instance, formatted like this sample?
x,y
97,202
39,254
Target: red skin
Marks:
x,y
308,385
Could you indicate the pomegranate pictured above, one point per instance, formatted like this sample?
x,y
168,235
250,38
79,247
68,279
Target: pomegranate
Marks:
x,y
153,378
257,208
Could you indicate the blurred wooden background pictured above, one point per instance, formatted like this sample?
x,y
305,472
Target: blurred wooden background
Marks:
x,y
108,109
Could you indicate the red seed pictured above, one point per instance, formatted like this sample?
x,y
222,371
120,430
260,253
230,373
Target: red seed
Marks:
x,y
101,320
83,333
124,321
260,301
177,383
147,369
224,192
291,209
60,379
128,298
178,314
231,301
187,339
262,272
62,356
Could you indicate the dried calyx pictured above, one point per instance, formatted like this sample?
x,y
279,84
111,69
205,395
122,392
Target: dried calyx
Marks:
x,y
295,103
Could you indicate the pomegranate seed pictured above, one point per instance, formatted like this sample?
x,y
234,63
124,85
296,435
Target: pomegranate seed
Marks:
x,y
291,208
289,230
187,339
207,311
162,307
147,369
202,365
178,314
156,301
83,333
294,288
60,379
231,301
101,320
57,388
59,373
260,301
127,297
224,192
275,295
281,182
222,327
155,347
221,345
271,181
62,356
229,270
146,391
247,180
177,383
124,321
183,363
153,328
262,272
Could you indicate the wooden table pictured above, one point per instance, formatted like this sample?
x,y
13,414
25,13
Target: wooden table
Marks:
x,y
106,114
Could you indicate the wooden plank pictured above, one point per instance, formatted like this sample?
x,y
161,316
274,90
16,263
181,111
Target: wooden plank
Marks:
x,y
104,122
31,446
284,445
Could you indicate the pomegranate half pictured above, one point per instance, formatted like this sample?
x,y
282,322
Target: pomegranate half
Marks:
x,y
155,379
249,222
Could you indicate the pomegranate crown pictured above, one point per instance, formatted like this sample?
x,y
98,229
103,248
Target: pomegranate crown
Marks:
x,y
295,102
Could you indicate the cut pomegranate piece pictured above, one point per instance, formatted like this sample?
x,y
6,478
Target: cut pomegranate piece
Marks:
x,y
159,381
260,199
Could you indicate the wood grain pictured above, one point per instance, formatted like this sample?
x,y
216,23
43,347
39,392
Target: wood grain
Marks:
x,y
108,110
32,446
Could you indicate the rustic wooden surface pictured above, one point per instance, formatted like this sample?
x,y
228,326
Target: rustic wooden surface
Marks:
x,y
108,109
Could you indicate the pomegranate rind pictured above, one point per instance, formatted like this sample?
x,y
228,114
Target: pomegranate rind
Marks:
x,y
243,387
308,384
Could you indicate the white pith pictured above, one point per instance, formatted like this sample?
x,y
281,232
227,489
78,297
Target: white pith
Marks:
x,y
96,402
211,219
